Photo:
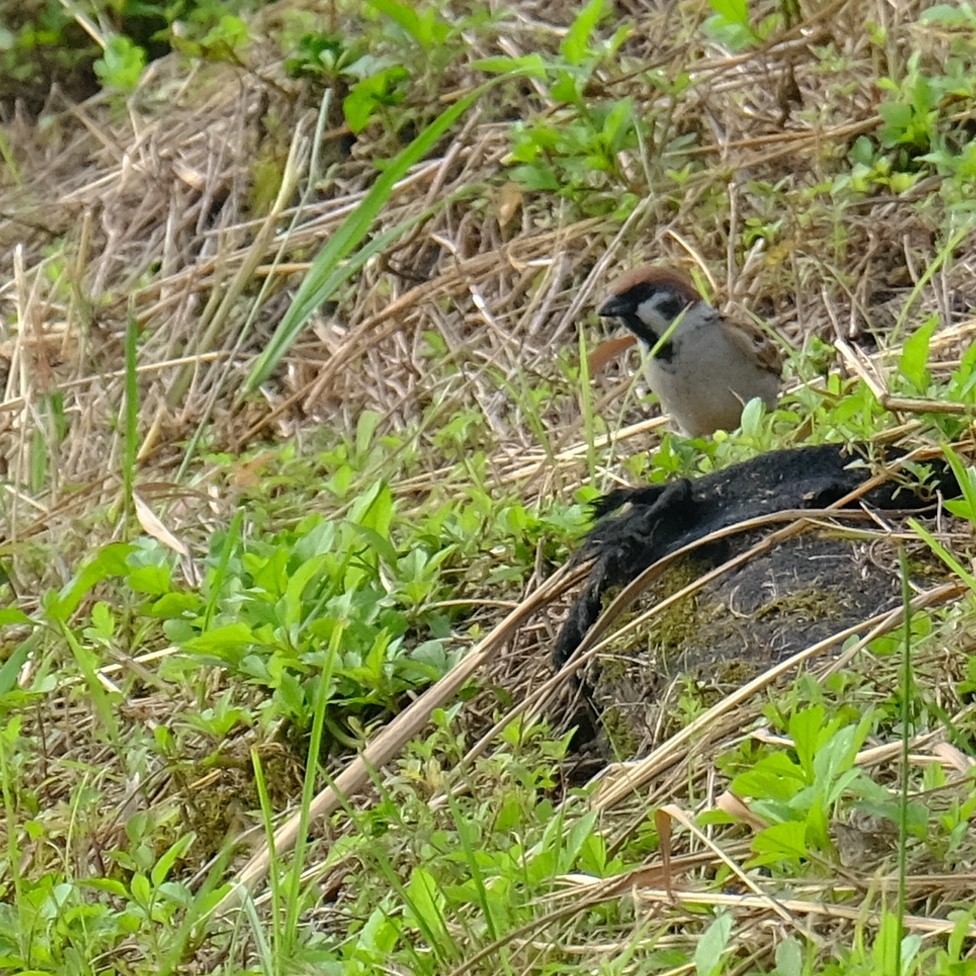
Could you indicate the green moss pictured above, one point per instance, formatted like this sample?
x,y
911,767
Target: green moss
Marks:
x,y
620,730
656,638
811,603
721,636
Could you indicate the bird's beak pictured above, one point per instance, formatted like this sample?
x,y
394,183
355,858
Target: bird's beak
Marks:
x,y
615,305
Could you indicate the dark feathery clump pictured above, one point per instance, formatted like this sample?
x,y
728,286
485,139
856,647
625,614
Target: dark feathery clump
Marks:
x,y
661,519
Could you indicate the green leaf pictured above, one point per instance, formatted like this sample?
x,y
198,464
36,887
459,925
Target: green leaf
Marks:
x,y
898,120
227,36
712,944
378,543
575,47
10,669
804,728
164,865
366,426
291,603
618,124
889,946
529,65
109,562
121,64
290,692
732,11
388,87
567,87
102,622
730,24
950,15
375,510
11,615
379,935
427,29
579,833
141,890
947,557
774,777
751,419
914,361
229,642
733,36
151,580
425,902
781,842
966,479
789,958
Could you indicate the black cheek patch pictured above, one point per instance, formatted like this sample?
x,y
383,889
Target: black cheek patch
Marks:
x,y
647,335
672,308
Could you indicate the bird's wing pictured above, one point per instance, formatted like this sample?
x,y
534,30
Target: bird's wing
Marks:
x,y
751,341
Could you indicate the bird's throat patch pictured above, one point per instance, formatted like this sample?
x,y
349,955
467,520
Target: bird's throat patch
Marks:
x,y
647,335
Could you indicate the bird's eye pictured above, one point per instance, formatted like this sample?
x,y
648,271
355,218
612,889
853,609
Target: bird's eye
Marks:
x,y
670,307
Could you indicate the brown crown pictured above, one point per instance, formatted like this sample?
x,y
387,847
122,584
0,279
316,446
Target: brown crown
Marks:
x,y
670,278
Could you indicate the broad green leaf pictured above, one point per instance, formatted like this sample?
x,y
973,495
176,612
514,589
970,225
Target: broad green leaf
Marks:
x,y
575,47
774,777
426,29
11,615
121,64
712,944
375,510
229,642
378,543
734,11
528,65
578,835
291,603
914,361
781,842
949,14
110,561
386,88
426,904
168,858
789,958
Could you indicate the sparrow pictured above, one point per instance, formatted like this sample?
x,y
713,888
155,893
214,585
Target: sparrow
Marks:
x,y
703,367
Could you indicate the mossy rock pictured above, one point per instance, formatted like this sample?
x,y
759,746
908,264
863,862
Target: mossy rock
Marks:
x,y
710,642
796,590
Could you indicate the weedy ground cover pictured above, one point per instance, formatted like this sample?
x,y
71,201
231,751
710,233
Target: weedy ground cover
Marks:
x,y
296,412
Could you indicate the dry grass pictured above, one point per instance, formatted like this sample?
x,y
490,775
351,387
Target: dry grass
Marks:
x,y
149,211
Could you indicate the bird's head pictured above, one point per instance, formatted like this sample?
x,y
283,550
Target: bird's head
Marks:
x,y
648,300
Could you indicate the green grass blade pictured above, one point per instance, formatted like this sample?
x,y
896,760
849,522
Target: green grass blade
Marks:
x,y
326,273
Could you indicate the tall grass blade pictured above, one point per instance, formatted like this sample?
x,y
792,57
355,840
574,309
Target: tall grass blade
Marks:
x,y
327,272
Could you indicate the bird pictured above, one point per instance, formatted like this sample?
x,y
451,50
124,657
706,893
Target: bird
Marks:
x,y
704,368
